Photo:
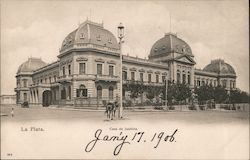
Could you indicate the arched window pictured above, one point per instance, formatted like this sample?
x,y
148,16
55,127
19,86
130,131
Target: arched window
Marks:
x,y
99,91
111,92
82,91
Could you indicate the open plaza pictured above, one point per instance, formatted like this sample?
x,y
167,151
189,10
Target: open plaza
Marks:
x,y
50,132
69,114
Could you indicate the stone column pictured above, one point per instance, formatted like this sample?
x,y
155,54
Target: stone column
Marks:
x,y
192,77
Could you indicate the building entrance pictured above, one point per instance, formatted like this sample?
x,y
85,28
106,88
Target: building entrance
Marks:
x,y
47,98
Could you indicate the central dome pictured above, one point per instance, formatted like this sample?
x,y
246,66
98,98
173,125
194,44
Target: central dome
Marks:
x,y
90,33
168,44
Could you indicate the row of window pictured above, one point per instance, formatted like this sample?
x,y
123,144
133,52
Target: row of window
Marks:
x,y
64,70
83,92
213,83
82,69
46,80
24,83
185,79
141,77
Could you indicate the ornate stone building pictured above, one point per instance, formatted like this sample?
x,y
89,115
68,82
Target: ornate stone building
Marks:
x,y
88,67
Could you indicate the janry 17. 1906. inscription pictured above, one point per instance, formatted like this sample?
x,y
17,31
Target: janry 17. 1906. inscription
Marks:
x,y
137,137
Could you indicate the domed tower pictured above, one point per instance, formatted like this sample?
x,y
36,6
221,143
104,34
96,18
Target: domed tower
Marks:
x,y
86,55
226,73
89,35
177,54
24,78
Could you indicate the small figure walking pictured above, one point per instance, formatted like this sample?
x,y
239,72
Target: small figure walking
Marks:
x,y
12,112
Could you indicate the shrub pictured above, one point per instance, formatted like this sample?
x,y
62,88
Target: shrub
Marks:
x,y
158,107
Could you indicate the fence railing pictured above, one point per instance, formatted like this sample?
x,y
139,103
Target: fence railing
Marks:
x,y
87,102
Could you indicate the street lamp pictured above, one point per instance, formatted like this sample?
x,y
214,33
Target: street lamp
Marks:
x,y
120,36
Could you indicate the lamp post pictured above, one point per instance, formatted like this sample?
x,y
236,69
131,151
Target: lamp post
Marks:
x,y
120,36
166,95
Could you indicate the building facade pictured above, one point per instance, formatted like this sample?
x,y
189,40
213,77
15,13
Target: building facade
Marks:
x,y
7,99
88,66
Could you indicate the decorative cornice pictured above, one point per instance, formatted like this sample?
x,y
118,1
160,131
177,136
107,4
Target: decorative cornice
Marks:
x,y
82,59
133,69
149,71
99,60
141,70
124,68
111,62
157,72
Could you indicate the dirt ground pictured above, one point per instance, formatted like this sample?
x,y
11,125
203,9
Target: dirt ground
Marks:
x,y
47,133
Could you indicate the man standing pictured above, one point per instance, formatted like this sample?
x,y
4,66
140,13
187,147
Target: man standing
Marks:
x,y
12,112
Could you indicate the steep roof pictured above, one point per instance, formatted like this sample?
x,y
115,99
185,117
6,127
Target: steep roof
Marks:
x,y
30,65
169,43
90,33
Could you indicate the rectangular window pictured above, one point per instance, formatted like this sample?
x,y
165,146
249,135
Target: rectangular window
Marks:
x,y
54,78
224,83
25,97
63,70
49,79
149,78
111,70
82,68
69,90
163,79
69,69
199,83
189,80
99,69
124,75
157,78
184,78
178,77
141,77
203,83
25,83
132,76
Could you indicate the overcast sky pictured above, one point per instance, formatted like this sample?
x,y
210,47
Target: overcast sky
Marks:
x,y
213,29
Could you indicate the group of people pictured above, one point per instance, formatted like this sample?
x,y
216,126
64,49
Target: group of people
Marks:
x,y
111,108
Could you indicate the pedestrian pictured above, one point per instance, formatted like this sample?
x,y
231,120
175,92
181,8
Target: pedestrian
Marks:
x,y
12,112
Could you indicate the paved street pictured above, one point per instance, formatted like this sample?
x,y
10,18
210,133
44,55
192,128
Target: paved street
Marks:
x,y
41,113
64,134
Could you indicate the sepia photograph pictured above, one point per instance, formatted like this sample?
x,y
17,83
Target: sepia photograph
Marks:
x,y
125,79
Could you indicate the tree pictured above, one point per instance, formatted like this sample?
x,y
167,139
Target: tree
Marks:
x,y
204,93
220,94
238,96
178,92
153,91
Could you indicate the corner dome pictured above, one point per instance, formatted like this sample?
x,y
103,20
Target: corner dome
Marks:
x,y
168,44
30,65
220,67
90,33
